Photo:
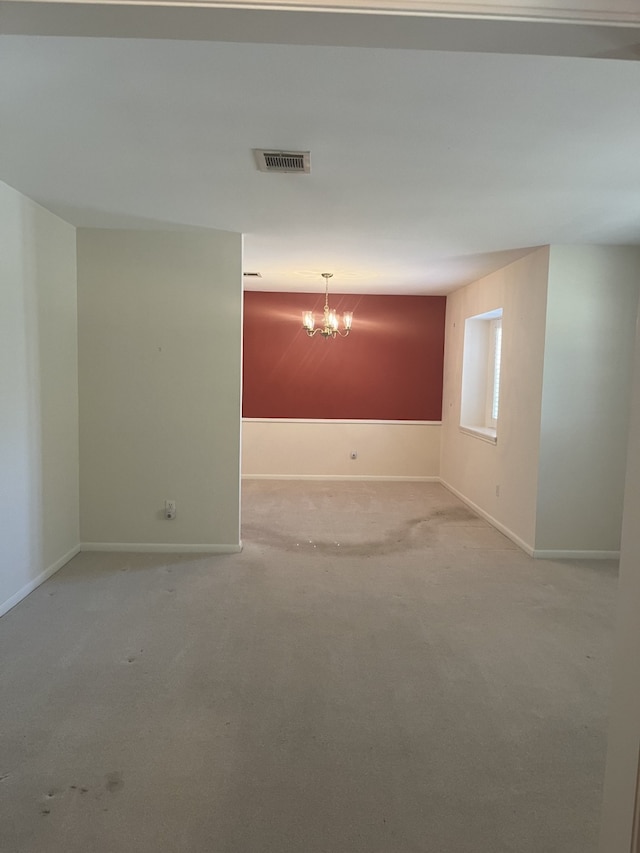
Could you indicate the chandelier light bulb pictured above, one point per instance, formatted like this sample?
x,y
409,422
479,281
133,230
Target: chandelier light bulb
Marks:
x,y
330,327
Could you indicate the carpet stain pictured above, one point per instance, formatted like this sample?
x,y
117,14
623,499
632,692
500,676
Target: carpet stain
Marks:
x,y
411,534
453,513
114,782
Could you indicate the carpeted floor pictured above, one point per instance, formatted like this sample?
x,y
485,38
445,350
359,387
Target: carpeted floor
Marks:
x,y
379,671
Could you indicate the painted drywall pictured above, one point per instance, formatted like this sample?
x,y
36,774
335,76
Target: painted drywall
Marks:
x,y
389,368
592,300
624,716
323,449
475,468
160,323
39,392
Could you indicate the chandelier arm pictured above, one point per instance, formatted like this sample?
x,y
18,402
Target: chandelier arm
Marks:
x,y
330,326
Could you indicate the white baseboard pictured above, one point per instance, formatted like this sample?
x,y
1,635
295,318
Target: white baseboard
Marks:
x,y
42,577
536,553
542,554
344,477
161,548
528,549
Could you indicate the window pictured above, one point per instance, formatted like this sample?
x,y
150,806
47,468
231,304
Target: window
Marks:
x,y
493,368
480,401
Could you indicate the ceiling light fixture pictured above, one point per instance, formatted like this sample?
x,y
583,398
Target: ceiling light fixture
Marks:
x,y
330,323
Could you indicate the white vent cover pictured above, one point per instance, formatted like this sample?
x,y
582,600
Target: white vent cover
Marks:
x,y
283,161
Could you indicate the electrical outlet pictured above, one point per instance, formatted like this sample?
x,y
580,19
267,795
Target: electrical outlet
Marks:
x,y
354,454
497,491
169,509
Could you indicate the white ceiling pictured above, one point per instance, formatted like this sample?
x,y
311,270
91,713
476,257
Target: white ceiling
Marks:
x,y
428,168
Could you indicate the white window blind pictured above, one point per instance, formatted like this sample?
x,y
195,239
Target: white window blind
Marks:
x,y
497,351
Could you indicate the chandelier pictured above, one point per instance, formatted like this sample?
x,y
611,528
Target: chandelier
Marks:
x,y
330,323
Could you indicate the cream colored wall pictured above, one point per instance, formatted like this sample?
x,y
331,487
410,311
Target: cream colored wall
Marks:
x,y
39,391
624,716
592,303
272,448
474,468
160,322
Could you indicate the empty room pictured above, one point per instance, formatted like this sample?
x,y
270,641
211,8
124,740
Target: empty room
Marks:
x,y
320,427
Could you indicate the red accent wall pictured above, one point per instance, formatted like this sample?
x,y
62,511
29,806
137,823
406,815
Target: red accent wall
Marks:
x,y
389,368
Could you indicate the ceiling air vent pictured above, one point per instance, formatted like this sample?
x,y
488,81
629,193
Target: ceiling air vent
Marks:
x,y
283,161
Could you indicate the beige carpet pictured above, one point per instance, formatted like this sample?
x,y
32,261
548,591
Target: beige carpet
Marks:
x,y
379,671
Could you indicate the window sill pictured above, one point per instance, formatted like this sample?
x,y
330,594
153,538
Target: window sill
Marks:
x,y
483,433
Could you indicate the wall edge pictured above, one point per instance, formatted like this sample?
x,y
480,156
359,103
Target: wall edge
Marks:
x,y
33,584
